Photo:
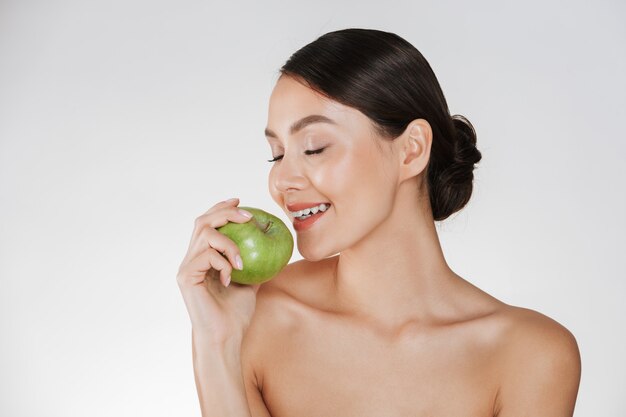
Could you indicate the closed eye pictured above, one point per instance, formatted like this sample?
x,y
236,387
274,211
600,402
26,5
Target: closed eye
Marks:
x,y
313,152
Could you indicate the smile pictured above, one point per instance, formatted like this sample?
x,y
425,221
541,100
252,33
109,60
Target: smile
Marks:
x,y
306,221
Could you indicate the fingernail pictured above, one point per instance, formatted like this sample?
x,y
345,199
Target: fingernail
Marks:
x,y
230,199
239,262
245,213
227,281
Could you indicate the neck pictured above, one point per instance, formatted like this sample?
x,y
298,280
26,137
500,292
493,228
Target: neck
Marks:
x,y
396,273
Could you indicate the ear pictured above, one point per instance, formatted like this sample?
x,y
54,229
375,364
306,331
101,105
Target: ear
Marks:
x,y
414,154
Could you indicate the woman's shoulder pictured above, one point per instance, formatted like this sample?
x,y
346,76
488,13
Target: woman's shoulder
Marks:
x,y
538,361
514,328
280,306
299,281
527,330
290,292
519,340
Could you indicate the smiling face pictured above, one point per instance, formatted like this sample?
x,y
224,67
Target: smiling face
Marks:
x,y
356,171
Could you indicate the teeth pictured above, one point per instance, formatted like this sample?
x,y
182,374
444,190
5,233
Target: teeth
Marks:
x,y
311,210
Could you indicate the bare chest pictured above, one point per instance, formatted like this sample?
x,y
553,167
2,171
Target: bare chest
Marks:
x,y
328,368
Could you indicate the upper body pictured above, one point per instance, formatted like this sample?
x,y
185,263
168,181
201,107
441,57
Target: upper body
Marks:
x,y
373,321
305,354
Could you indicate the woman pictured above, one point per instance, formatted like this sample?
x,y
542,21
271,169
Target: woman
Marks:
x,y
372,322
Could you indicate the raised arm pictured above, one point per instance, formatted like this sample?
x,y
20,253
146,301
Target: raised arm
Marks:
x,y
220,313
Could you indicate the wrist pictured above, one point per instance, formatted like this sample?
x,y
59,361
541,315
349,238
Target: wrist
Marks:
x,y
206,346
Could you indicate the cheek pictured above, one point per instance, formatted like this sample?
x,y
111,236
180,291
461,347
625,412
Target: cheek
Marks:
x,y
361,187
356,180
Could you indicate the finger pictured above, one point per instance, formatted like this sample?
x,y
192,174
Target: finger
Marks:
x,y
195,271
224,215
231,202
226,203
214,220
221,264
218,218
212,238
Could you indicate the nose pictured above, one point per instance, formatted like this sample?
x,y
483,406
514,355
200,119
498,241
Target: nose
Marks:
x,y
287,175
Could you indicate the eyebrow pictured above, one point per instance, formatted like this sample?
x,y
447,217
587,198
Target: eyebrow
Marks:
x,y
302,123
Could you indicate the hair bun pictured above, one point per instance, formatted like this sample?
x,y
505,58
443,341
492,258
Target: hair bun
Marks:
x,y
466,155
452,187
464,128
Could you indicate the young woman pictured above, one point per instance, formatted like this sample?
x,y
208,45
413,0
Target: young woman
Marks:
x,y
372,322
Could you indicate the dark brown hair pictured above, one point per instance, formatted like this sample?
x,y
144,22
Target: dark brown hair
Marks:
x,y
387,79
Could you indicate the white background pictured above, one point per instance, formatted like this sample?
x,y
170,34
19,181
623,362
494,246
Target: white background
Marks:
x,y
122,121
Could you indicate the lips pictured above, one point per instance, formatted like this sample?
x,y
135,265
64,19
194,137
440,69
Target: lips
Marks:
x,y
302,225
302,206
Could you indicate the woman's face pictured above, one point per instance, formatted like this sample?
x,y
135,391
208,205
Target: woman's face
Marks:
x,y
355,172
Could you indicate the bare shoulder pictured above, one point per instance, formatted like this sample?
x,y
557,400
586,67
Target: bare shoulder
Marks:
x,y
299,281
279,305
275,299
528,332
538,362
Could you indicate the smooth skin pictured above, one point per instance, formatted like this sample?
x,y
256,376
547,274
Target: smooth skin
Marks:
x,y
373,322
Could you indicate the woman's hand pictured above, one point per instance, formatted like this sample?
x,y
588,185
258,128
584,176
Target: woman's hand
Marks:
x,y
220,311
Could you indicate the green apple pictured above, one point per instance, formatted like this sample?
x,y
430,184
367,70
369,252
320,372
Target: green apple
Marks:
x,y
265,244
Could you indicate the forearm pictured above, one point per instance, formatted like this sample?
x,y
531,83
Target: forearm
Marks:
x,y
219,379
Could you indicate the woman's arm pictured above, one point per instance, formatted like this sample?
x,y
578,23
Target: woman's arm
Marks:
x,y
250,359
219,378
541,369
225,380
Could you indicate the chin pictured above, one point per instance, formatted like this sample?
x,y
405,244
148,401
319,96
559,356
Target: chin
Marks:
x,y
313,254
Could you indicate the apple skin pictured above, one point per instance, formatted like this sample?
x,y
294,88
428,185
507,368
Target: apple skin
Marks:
x,y
265,244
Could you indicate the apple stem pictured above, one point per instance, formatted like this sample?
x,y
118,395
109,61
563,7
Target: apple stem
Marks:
x,y
265,226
